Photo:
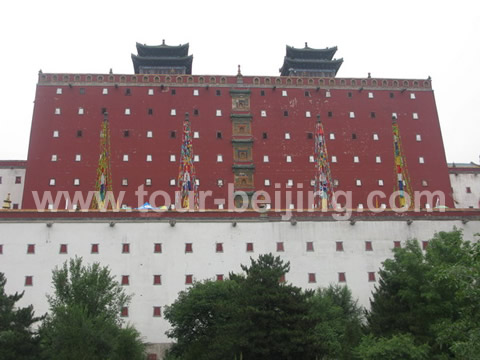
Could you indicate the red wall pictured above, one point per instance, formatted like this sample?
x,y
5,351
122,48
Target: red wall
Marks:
x,y
40,168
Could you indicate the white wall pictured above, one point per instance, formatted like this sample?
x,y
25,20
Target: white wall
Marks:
x,y
8,186
141,264
460,182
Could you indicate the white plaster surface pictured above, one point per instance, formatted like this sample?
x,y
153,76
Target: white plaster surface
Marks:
x,y
173,264
460,182
8,185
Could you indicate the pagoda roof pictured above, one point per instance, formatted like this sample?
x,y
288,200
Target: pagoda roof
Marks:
x,y
309,53
162,61
162,50
309,64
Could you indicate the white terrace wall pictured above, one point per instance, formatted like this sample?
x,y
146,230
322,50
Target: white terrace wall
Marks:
x,y
173,264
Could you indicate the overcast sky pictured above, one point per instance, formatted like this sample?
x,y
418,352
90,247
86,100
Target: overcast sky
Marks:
x,y
401,39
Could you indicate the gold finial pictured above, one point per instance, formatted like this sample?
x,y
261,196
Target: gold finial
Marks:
x,y
7,202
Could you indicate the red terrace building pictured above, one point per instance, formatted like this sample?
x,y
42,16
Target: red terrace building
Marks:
x,y
250,131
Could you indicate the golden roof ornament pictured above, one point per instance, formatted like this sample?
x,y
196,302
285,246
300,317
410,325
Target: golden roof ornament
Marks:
x,y
7,202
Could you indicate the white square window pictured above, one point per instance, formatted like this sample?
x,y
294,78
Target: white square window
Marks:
x,y
415,116
220,182
312,182
308,114
412,96
54,157
352,115
219,158
394,116
124,182
265,158
418,137
80,111
370,95
196,158
149,134
380,182
55,133
195,92
220,206
219,113
268,206
59,91
76,182
378,159
50,206
267,182
125,157
287,136
332,136
334,159
150,92
424,183
289,182
421,160
356,159
105,91
172,182
335,182
196,135
263,113
197,182
328,94
57,111
311,159
148,182
127,111
291,206
288,158
375,136
173,112
172,158
78,157
358,182
284,92
149,157
52,182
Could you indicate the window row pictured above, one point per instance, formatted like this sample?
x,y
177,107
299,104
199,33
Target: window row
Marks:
x,y
128,111
219,247
219,135
219,159
218,112
128,91
189,279
18,180
220,183
196,92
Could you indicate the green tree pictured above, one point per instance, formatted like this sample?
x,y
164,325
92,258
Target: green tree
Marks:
x,y
337,322
18,340
250,316
398,347
84,319
274,313
434,296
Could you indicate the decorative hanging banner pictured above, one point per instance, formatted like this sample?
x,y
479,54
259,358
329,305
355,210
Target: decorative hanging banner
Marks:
x,y
402,180
103,182
187,180
323,176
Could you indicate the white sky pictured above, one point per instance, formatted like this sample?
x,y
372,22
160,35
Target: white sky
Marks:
x,y
401,39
